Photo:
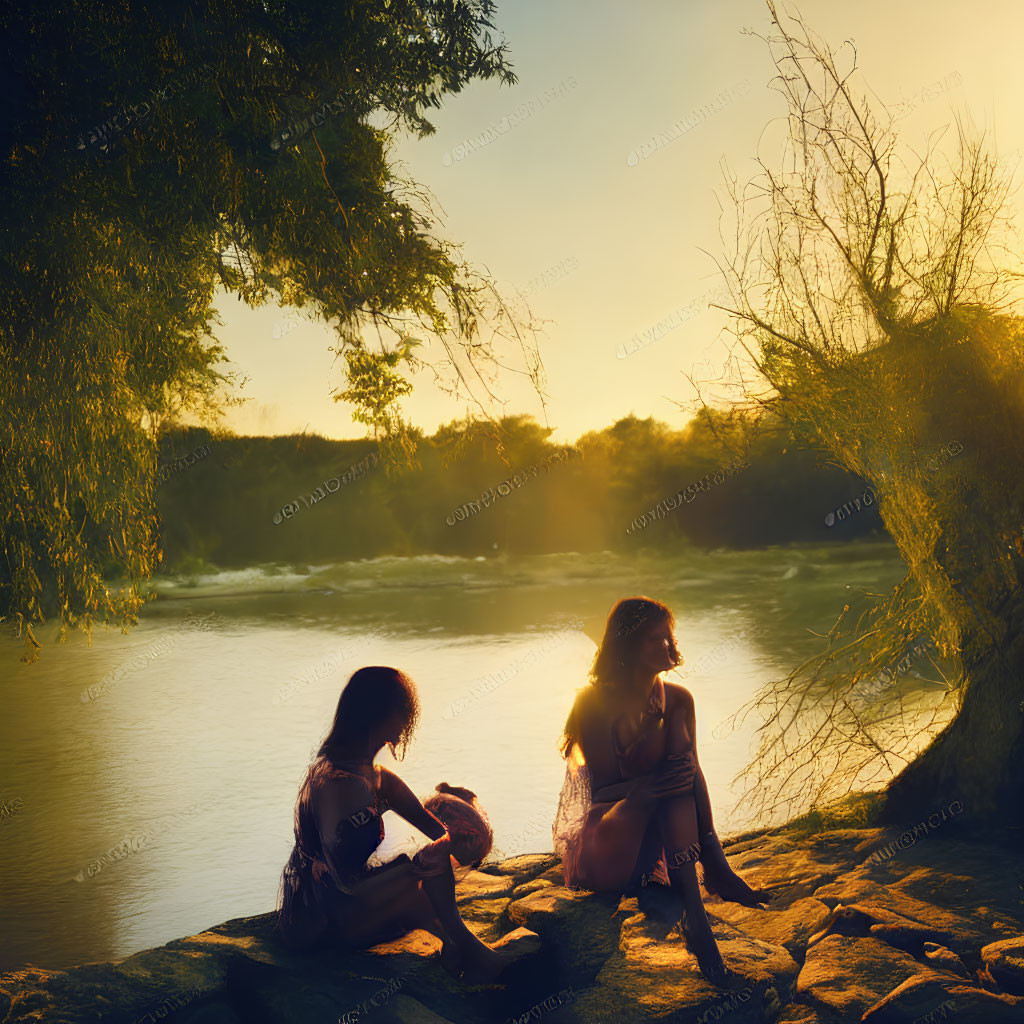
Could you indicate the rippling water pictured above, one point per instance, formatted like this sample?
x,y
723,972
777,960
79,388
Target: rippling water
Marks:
x,y
150,779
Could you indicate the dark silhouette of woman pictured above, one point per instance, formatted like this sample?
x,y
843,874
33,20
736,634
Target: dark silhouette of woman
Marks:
x,y
327,889
635,805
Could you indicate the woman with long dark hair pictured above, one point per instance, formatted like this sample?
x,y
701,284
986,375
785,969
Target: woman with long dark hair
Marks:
x,y
635,805
327,889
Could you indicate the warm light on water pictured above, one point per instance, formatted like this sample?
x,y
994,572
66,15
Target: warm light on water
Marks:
x,y
194,752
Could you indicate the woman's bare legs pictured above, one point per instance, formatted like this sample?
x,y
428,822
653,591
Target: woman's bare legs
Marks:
x,y
614,835
702,801
618,835
463,950
384,903
719,877
678,818
612,843
401,898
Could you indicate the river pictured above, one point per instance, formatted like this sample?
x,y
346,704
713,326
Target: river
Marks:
x,y
183,743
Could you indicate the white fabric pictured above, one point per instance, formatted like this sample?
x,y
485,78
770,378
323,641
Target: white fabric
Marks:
x,y
573,807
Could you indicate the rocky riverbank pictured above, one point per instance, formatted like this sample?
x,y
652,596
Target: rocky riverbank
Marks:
x,y
932,932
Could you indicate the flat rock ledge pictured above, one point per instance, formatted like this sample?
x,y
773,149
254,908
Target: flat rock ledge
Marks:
x,y
935,932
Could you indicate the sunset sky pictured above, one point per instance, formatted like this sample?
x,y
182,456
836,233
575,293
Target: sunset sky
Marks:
x,y
575,194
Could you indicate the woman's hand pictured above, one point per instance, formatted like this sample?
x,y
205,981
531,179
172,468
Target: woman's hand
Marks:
x,y
674,778
433,859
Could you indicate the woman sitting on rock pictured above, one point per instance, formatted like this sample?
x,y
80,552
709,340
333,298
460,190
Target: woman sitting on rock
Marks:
x,y
635,805
327,888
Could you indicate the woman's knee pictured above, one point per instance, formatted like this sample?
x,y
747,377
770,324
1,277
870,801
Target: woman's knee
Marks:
x,y
612,837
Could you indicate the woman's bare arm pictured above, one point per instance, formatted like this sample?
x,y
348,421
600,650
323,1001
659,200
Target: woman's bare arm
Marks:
x,y
401,799
595,739
434,859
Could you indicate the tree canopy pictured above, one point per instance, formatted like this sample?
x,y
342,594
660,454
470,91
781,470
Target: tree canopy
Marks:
x,y
238,501
156,153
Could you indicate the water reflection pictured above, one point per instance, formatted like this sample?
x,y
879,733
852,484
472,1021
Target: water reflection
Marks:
x,y
201,748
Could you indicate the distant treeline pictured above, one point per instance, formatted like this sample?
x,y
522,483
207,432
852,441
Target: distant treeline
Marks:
x,y
227,508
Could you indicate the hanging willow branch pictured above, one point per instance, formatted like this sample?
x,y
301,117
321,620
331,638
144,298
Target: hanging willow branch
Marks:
x,y
868,293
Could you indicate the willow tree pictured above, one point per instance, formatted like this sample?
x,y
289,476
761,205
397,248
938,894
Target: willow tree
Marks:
x,y
872,290
154,153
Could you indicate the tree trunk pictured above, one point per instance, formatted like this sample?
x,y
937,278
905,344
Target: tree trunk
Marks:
x,y
978,758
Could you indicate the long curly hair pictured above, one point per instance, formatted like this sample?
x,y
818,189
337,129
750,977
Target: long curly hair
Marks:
x,y
616,656
371,695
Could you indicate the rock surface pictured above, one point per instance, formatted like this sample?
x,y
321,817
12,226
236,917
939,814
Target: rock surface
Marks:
x,y
1004,962
934,932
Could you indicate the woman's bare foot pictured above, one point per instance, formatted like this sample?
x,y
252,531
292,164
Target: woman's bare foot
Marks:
x,y
700,941
452,959
732,889
479,964
722,881
482,965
